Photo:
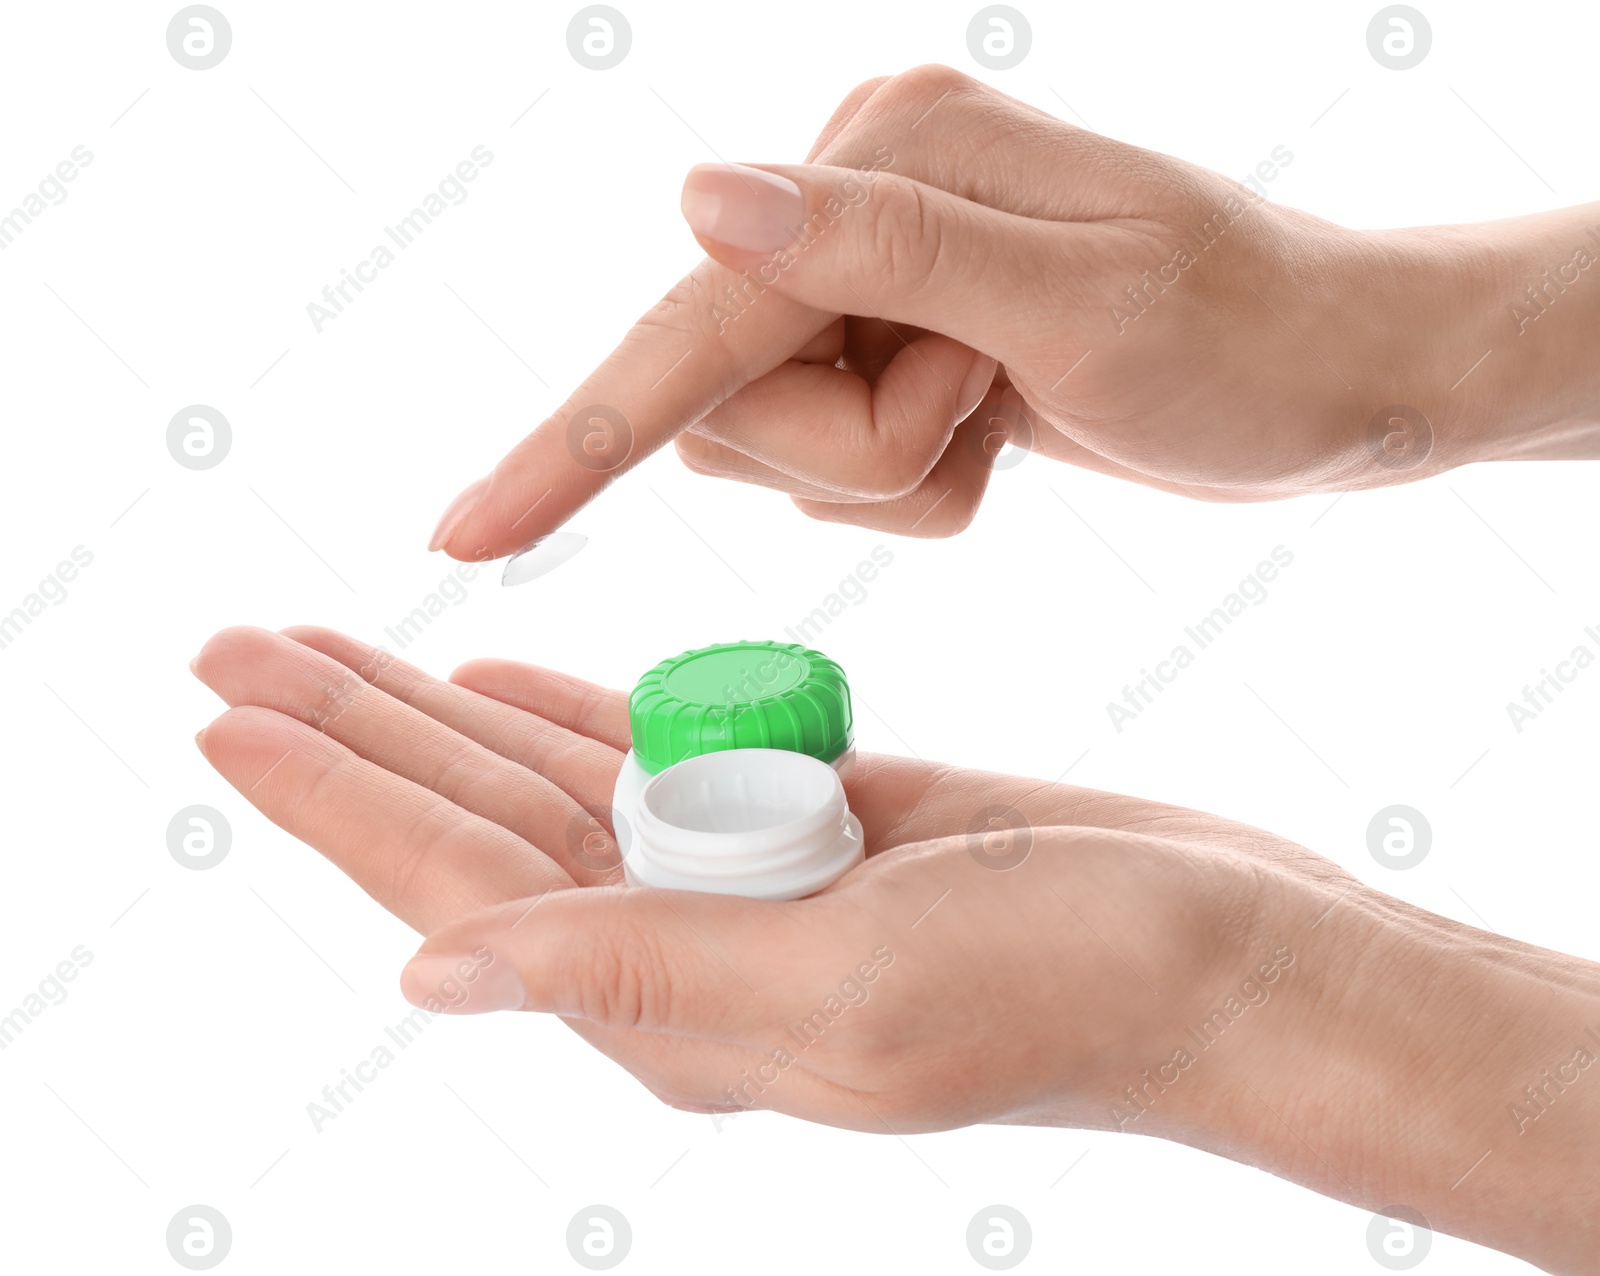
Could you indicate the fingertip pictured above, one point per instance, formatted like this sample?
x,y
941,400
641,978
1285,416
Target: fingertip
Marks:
x,y
462,983
514,508
475,673
471,544
474,549
226,648
457,512
695,452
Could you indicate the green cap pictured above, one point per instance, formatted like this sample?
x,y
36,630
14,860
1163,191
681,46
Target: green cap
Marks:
x,y
740,695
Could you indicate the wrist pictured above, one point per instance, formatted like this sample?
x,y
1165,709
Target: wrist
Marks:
x,y
1498,324
1420,1063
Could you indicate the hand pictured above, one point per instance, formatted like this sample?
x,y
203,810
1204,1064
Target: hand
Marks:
x,y
974,272
1142,968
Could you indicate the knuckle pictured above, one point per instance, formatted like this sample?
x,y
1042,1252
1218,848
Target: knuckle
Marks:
x,y
952,518
681,315
622,981
435,835
408,873
456,773
904,241
594,703
947,512
695,453
895,473
866,89
691,314
922,86
891,104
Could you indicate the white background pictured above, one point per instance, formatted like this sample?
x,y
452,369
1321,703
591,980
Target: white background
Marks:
x,y
179,1068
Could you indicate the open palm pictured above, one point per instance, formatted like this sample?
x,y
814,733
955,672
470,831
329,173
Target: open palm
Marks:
x,y
480,804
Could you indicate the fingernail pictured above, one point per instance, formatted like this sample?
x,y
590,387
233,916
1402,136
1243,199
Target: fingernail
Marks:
x,y
457,512
974,386
461,983
194,666
200,739
742,207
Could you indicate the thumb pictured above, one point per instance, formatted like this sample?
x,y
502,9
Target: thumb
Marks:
x,y
713,966
871,242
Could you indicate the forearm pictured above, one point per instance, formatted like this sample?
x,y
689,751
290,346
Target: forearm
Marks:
x,y
1507,353
1416,1062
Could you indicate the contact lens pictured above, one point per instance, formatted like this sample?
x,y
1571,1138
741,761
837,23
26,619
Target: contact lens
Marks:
x,y
543,556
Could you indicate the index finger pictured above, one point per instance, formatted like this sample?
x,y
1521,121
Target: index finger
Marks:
x,y
605,444
718,330
712,334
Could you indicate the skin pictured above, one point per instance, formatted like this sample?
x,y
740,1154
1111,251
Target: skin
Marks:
x,y
1372,1051
968,299
976,294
